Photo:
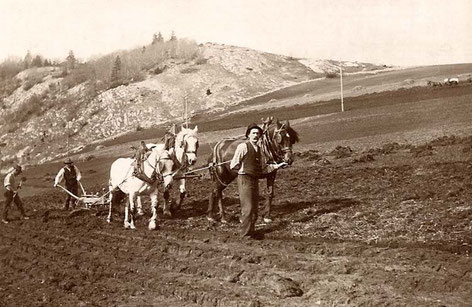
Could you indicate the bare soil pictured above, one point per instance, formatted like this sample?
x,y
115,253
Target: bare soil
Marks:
x,y
388,225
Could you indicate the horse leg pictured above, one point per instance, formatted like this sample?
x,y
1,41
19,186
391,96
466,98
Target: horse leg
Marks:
x,y
129,208
183,193
269,191
219,197
167,201
211,206
152,221
114,198
111,199
139,206
215,192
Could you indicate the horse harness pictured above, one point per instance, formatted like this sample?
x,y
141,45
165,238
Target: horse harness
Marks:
x,y
269,148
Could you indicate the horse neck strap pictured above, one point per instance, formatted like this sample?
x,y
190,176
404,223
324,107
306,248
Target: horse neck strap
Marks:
x,y
268,149
156,169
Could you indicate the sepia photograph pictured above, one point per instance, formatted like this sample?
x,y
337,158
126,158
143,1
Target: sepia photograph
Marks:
x,y
236,153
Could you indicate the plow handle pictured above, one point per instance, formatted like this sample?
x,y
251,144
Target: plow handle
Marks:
x,y
82,187
67,191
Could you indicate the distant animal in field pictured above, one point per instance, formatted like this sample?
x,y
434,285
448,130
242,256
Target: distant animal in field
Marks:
x,y
434,84
451,81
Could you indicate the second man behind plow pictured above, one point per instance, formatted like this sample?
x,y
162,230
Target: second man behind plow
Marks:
x,y
71,175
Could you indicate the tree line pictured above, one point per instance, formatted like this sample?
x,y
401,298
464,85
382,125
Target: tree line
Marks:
x,y
111,70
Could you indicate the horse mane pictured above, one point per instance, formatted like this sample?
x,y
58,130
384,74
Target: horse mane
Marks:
x,y
294,138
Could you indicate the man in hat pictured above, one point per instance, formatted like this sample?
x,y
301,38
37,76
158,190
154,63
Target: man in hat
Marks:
x,y
11,194
169,138
247,161
71,174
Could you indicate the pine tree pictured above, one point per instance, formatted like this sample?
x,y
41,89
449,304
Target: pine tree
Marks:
x,y
115,78
157,38
160,38
37,62
173,38
27,60
71,61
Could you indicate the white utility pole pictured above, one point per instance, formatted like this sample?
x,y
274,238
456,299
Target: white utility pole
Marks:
x,y
67,137
342,99
186,110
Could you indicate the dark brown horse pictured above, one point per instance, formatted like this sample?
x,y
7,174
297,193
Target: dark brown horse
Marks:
x,y
276,143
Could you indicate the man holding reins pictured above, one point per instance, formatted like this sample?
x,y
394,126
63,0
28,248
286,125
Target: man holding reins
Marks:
x,y
247,160
11,194
71,174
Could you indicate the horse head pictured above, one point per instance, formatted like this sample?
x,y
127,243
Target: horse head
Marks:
x,y
160,163
283,137
187,143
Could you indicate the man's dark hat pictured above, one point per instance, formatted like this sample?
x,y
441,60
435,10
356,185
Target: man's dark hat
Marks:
x,y
68,161
253,126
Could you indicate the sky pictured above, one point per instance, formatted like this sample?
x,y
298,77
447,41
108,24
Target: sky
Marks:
x,y
394,32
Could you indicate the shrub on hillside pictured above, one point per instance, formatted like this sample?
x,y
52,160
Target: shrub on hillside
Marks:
x,y
79,75
9,68
200,60
189,70
8,86
331,75
30,108
32,81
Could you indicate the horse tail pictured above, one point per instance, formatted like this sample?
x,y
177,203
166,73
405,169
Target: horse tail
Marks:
x,y
213,160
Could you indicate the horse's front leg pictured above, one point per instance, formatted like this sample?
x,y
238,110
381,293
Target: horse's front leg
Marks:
x,y
211,205
167,201
269,191
152,220
129,208
219,198
183,193
139,206
110,199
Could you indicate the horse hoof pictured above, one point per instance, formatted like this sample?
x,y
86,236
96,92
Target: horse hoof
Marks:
x,y
108,220
140,213
152,225
167,213
127,225
210,219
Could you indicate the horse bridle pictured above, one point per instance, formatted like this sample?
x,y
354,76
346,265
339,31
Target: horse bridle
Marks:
x,y
273,150
278,130
183,144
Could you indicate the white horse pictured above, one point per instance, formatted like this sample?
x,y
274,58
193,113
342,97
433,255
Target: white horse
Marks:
x,y
184,155
157,164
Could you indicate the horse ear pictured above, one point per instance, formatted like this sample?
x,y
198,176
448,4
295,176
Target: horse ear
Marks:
x,y
287,123
278,123
195,129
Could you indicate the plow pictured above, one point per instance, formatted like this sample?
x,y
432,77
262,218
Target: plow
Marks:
x,y
88,200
